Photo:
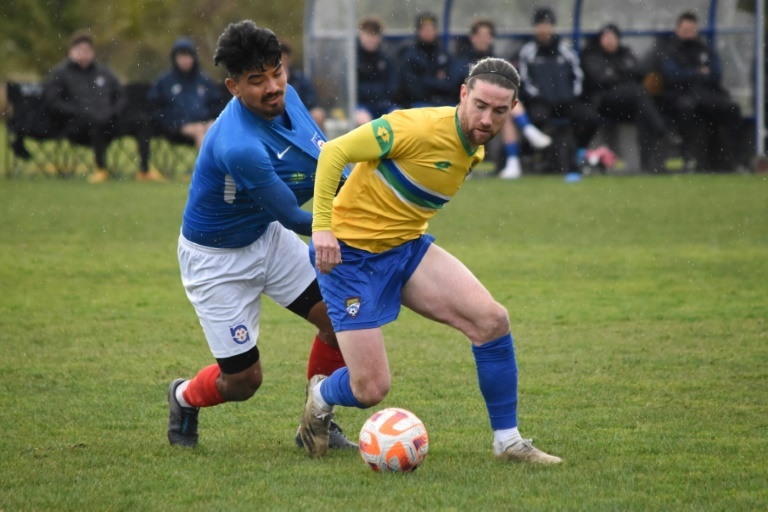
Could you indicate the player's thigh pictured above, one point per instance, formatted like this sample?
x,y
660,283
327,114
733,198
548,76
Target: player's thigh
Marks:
x,y
443,289
224,286
288,272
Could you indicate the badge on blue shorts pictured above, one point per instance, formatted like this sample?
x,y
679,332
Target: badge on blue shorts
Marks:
x,y
353,306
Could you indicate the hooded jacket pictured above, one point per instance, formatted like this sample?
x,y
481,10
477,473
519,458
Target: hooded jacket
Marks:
x,y
179,98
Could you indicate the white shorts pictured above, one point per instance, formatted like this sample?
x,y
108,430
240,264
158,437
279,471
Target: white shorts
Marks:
x,y
225,285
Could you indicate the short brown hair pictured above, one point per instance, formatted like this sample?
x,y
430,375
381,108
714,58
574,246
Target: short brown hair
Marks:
x,y
687,16
480,23
81,36
371,25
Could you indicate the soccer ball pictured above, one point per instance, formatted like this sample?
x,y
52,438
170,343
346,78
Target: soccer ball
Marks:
x,y
393,440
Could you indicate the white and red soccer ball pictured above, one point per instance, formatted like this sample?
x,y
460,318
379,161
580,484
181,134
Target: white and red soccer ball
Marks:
x,y
393,440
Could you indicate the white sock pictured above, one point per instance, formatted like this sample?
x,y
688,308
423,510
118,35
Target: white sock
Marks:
x,y
512,169
536,137
319,398
504,438
180,394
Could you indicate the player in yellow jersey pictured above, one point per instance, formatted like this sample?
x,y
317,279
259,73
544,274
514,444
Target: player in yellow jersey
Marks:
x,y
372,253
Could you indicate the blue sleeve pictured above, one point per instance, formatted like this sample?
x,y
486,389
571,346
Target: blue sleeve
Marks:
x,y
280,202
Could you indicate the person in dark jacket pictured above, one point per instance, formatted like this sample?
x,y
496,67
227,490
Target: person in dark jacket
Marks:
x,y
424,75
693,93
552,81
88,101
376,74
612,86
185,100
303,85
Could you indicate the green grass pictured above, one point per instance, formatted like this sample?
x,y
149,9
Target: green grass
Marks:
x,y
639,309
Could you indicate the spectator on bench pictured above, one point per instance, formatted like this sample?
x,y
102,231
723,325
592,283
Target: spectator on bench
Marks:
x,y
88,102
552,81
376,73
303,86
693,93
613,86
424,79
481,34
185,100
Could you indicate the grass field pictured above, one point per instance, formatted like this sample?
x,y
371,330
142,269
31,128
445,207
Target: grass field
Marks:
x,y
639,310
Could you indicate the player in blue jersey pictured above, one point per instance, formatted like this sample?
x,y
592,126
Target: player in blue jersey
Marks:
x,y
255,168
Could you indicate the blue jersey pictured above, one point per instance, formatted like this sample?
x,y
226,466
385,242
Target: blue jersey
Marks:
x,y
242,152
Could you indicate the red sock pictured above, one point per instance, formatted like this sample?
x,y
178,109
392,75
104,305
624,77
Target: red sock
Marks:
x,y
201,390
323,360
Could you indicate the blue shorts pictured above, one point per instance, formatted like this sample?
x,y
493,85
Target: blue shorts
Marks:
x,y
363,292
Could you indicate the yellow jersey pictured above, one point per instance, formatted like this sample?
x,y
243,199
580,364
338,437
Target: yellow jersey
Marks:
x,y
410,163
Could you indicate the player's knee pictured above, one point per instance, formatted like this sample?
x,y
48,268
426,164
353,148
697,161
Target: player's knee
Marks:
x,y
371,391
241,387
493,324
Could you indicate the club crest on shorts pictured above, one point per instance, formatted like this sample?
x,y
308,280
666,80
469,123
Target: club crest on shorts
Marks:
x,y
240,334
353,306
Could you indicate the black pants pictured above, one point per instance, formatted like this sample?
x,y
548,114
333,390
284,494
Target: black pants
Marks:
x,y
99,134
630,102
717,114
582,118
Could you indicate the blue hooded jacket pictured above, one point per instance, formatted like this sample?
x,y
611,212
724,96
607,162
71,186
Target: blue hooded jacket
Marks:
x,y
179,98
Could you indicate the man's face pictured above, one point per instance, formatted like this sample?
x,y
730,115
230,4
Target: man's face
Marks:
x,y
543,31
609,41
427,32
83,54
185,61
482,39
483,110
687,30
369,41
261,91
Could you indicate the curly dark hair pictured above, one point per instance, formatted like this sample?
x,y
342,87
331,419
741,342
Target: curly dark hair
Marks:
x,y
244,46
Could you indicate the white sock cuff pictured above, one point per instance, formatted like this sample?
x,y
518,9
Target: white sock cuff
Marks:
x,y
319,398
504,438
180,394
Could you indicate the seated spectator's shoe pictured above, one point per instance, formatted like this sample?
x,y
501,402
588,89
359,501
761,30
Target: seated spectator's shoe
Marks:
x,y
182,421
336,438
511,170
536,137
152,175
50,169
315,422
20,150
573,177
98,176
524,451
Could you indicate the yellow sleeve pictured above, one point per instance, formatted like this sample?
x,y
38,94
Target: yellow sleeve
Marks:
x,y
370,141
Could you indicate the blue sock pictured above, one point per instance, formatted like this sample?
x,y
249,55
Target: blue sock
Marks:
x,y
336,390
581,155
522,120
497,374
512,149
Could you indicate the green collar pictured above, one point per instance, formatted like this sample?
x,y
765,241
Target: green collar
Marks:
x,y
462,138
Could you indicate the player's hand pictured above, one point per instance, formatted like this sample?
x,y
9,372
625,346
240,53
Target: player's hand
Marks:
x,y
327,251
